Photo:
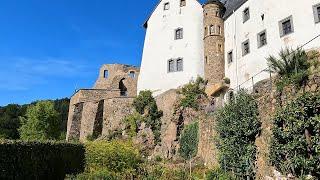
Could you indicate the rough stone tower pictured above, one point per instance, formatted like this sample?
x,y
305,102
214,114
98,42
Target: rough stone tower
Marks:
x,y
213,11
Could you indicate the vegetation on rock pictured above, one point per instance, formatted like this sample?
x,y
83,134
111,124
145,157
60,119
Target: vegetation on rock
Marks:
x,y
146,106
296,143
237,127
192,92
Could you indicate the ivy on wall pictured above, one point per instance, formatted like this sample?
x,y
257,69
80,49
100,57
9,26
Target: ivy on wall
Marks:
x,y
237,127
295,147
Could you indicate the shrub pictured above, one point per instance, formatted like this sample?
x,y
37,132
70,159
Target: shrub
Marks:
x,y
41,122
237,127
40,160
132,123
218,174
146,105
110,158
296,143
189,141
192,92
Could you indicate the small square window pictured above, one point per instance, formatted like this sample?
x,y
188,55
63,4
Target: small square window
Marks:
x,y
230,57
182,3
166,6
171,65
178,33
262,38
286,26
180,65
316,12
245,48
246,15
106,74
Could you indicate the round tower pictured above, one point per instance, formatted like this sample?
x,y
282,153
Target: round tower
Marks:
x,y
213,22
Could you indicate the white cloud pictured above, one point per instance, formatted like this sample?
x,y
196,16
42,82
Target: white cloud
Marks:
x,y
24,73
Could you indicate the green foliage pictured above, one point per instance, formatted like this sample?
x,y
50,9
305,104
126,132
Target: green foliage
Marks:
x,y
161,172
9,121
189,141
41,122
292,67
132,122
296,137
237,127
218,174
40,160
192,92
147,107
110,158
62,107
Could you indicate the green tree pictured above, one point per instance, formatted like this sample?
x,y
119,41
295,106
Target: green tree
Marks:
x,y
237,127
40,122
62,107
296,137
9,121
192,92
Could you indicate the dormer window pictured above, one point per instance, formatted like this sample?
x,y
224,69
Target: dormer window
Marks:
x,y
182,3
246,15
106,74
132,74
178,34
166,6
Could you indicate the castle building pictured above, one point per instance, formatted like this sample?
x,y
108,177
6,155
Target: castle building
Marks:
x,y
230,38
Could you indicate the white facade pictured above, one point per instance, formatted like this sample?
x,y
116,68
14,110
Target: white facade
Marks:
x,y
160,46
236,32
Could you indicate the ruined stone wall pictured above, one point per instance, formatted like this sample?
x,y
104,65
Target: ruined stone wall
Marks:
x,y
116,73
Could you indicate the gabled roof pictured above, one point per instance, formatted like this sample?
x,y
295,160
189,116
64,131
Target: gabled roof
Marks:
x,y
231,6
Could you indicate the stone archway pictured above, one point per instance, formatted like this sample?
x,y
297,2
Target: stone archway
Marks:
x,y
123,88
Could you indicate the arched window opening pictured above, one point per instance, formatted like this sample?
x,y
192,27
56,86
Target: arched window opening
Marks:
x,y
132,74
123,88
212,29
106,74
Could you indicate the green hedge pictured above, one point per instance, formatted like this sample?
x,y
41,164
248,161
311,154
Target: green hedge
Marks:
x,y
40,160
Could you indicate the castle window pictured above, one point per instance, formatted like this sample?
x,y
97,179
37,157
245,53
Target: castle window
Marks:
x,y
316,12
217,13
180,64
132,74
212,29
219,30
182,3
205,31
219,47
246,15
230,57
262,38
245,48
286,26
171,65
106,74
206,60
178,33
166,6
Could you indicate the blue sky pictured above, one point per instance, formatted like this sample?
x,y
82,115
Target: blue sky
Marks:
x,y
48,48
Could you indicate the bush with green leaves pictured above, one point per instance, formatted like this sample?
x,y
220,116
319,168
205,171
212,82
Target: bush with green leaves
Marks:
x,y
296,137
237,127
114,158
292,67
189,141
40,160
10,122
191,93
146,106
41,122
218,174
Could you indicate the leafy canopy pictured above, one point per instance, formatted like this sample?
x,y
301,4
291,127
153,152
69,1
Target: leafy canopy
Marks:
x,y
296,137
40,122
237,127
189,141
